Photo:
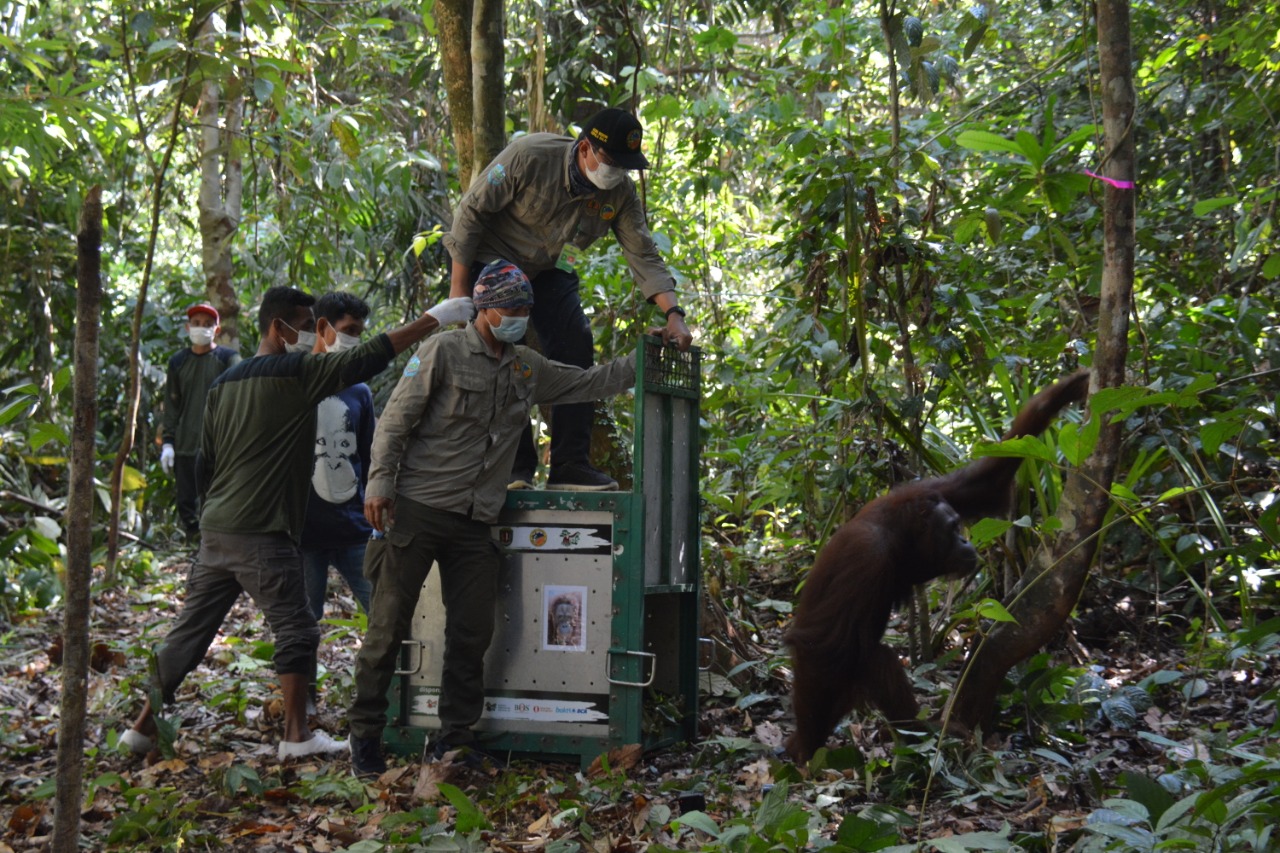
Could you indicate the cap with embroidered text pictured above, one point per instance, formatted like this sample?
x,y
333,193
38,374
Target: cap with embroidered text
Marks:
x,y
619,134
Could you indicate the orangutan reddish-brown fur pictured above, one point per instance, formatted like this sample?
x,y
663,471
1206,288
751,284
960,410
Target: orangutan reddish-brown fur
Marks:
x,y
909,536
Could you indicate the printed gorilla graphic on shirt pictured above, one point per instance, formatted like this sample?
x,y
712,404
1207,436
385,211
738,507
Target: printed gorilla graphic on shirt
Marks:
x,y
334,477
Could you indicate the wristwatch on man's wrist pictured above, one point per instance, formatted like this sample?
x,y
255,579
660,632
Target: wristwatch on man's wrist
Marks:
x,y
674,309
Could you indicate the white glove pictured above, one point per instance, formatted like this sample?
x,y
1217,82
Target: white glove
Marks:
x,y
456,310
166,459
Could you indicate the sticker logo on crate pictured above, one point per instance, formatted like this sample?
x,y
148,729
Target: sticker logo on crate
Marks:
x,y
589,540
549,709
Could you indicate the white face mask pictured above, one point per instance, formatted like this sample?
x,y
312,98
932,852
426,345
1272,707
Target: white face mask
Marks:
x,y
604,176
342,342
201,336
509,329
306,340
306,343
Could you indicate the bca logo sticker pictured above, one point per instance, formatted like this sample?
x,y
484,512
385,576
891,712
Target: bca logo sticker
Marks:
x,y
537,537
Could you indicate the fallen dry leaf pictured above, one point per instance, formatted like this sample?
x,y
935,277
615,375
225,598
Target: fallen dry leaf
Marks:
x,y
622,758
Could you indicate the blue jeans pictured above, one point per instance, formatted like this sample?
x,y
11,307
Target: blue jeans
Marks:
x,y
350,564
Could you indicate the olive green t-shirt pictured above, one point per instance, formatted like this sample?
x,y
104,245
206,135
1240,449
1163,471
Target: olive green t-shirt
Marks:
x,y
258,444
187,381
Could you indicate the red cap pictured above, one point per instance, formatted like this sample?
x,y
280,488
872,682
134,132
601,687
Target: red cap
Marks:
x,y
204,308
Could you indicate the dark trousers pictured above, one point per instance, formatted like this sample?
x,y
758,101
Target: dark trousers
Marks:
x,y
268,566
565,335
186,496
398,565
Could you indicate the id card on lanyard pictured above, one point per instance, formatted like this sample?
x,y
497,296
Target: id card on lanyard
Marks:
x,y
568,259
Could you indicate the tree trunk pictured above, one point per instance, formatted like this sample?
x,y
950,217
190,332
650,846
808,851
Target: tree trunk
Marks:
x,y
487,83
539,120
135,378
454,19
1046,594
79,527
221,187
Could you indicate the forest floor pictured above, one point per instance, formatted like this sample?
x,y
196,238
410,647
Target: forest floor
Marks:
x,y
225,789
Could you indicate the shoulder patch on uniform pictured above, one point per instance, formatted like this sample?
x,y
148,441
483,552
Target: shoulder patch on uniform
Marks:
x,y
412,368
497,174
607,212
521,368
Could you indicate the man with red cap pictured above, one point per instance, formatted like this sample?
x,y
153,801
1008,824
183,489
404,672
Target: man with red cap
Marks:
x,y
541,202
191,371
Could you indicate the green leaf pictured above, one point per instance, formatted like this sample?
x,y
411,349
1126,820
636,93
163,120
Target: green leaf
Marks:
x,y
974,841
469,817
978,34
1030,147
1026,446
988,530
61,379
241,776
989,608
38,435
913,29
1210,205
717,39
858,833
1269,521
1215,432
966,229
985,140
347,140
1271,268
15,408
666,107
699,821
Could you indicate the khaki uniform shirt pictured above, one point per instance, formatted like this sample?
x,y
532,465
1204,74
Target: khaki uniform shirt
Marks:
x,y
521,209
447,437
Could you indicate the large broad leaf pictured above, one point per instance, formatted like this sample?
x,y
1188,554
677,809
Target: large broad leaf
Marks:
x,y
699,821
1211,204
1028,446
985,140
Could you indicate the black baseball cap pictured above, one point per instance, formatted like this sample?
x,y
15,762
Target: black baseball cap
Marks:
x,y
618,132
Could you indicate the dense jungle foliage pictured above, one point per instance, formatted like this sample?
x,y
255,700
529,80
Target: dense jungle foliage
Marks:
x,y
885,221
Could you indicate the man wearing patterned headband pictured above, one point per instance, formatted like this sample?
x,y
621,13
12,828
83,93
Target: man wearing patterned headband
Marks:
x,y
441,455
541,202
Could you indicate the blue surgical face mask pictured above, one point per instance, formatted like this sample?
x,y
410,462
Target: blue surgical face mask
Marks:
x,y
509,329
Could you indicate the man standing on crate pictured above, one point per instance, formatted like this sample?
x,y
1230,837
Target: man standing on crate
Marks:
x,y
438,479
542,201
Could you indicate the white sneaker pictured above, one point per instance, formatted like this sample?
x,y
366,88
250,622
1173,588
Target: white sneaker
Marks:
x,y
319,743
138,743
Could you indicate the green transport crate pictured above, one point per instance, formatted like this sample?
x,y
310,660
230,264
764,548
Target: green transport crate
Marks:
x,y
597,641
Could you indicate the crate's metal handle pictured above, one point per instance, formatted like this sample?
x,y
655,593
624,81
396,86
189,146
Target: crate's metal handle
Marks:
x,y
653,667
708,653
417,666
